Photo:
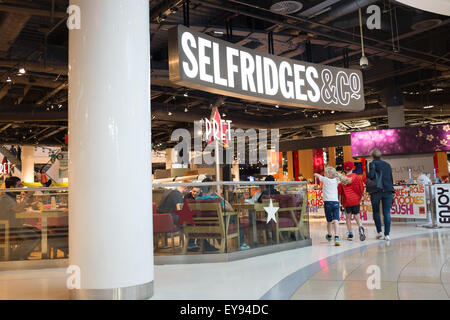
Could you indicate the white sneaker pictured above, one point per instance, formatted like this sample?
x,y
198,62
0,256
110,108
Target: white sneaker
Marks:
x,y
387,238
380,236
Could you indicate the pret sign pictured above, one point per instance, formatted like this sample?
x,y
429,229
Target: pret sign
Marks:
x,y
205,63
442,198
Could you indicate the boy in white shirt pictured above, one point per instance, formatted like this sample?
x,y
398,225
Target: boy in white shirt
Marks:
x,y
331,202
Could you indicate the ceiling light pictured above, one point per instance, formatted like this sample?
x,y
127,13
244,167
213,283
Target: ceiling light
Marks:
x,y
186,110
428,107
277,106
332,111
218,32
186,94
224,115
22,71
436,90
169,113
8,80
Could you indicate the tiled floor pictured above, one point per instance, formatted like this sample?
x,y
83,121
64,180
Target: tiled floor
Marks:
x,y
409,269
417,267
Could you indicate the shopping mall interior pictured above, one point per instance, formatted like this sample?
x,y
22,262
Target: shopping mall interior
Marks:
x,y
213,150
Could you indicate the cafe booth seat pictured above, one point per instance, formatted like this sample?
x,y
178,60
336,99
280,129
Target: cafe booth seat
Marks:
x,y
163,224
211,222
291,213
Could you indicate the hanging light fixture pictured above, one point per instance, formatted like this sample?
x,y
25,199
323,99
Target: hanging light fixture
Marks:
x,y
363,62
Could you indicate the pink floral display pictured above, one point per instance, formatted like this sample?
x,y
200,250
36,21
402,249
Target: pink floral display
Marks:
x,y
410,140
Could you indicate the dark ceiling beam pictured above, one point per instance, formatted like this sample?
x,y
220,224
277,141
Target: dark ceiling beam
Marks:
x,y
33,81
223,6
10,27
52,133
32,11
37,134
54,92
163,8
347,7
5,127
56,68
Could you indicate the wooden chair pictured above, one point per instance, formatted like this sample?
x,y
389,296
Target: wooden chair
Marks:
x,y
163,224
262,226
5,237
211,223
290,216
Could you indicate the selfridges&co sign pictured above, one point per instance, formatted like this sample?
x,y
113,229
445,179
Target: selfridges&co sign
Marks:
x,y
205,63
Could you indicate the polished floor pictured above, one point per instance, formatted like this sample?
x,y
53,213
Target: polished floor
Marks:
x,y
415,265
408,269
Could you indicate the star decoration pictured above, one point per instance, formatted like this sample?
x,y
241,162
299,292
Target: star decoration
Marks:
x,y
186,214
271,210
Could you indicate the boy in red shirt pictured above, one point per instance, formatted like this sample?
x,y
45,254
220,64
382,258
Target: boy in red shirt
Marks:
x,y
351,195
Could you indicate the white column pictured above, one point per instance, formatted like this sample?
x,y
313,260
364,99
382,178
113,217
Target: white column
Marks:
x,y
27,159
110,220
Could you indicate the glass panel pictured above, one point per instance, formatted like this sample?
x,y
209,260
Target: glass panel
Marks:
x,y
33,224
228,217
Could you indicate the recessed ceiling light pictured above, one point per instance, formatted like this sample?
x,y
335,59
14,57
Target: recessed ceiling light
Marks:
x,y
428,107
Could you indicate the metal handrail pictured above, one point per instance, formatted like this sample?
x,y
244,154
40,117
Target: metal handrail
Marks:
x,y
229,183
34,189
176,184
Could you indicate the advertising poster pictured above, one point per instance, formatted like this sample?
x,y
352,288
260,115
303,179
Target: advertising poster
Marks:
x,y
442,198
409,203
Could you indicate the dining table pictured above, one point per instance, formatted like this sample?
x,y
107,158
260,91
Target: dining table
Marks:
x,y
251,211
44,215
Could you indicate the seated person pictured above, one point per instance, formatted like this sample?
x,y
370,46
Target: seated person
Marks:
x,y
256,196
269,190
209,193
172,200
194,193
30,235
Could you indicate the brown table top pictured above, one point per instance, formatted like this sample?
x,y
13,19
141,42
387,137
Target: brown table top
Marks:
x,y
46,213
